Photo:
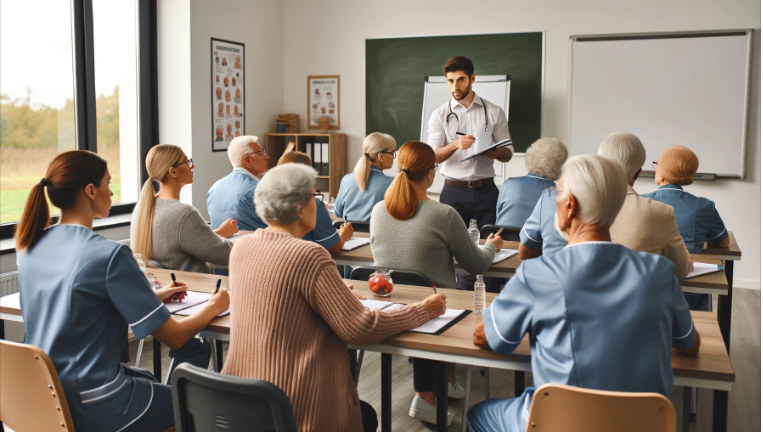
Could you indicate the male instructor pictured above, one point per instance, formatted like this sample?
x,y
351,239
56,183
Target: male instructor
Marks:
x,y
453,130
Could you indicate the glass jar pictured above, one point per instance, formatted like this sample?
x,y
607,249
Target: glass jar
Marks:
x,y
380,283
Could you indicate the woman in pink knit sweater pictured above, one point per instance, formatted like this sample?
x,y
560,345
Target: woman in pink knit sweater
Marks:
x,y
292,316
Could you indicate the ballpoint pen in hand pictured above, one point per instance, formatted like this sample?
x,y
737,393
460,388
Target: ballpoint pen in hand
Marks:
x,y
219,281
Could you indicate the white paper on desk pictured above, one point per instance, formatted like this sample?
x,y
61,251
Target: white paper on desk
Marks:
x,y
193,298
193,309
11,301
703,269
436,324
355,242
504,254
379,304
235,237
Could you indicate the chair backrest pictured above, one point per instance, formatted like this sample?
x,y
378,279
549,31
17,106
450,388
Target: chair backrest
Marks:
x,y
204,400
357,226
558,407
404,277
508,233
125,242
28,379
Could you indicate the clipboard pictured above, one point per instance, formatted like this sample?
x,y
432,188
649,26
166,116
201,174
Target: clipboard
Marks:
x,y
499,144
445,325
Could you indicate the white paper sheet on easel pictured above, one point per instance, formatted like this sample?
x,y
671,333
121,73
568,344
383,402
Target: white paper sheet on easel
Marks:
x,y
437,324
504,254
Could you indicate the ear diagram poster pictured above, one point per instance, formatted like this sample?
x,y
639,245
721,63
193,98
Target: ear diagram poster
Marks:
x,y
228,106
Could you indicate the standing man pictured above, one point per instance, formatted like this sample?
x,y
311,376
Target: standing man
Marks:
x,y
453,129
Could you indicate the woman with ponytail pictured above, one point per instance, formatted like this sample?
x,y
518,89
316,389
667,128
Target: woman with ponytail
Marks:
x,y
79,292
365,186
171,233
411,232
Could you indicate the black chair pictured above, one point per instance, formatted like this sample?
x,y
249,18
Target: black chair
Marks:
x,y
398,276
357,226
205,401
508,234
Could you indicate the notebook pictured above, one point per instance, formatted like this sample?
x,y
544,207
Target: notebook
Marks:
x,y
499,144
379,304
438,325
504,254
193,301
703,269
235,237
355,242
193,309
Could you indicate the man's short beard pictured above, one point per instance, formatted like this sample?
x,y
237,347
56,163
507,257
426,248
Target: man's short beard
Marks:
x,y
463,94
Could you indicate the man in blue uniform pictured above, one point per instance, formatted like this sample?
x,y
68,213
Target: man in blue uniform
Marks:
x,y
598,314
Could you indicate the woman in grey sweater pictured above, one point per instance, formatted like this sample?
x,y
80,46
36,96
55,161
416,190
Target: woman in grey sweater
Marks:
x,y
411,232
170,232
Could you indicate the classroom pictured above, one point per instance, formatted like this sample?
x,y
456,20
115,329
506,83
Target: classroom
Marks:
x,y
347,215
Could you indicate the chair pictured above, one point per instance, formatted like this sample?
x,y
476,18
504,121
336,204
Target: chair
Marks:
x,y
204,401
28,380
398,276
508,234
357,226
558,407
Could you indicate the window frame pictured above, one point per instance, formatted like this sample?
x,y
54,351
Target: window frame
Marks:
x,y
84,88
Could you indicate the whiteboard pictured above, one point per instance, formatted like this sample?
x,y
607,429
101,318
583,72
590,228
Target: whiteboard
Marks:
x,y
669,89
493,88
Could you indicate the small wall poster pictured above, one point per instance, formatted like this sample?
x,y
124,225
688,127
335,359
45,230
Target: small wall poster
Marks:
x,y
228,108
323,100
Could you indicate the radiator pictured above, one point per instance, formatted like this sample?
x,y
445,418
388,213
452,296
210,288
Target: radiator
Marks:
x,y
9,283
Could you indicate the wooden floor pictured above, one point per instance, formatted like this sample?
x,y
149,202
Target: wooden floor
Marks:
x,y
744,398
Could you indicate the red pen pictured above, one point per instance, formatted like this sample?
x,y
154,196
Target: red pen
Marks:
x,y
433,288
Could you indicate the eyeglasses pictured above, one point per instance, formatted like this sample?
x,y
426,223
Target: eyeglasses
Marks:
x,y
188,161
654,165
318,197
436,166
393,153
551,190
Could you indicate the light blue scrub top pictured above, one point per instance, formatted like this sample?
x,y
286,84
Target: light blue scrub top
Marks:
x,y
324,232
540,228
599,316
79,292
697,218
232,197
352,204
517,198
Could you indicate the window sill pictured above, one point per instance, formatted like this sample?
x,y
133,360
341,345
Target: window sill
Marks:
x,y
8,246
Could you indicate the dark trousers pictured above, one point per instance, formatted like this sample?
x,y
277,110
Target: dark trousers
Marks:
x,y
370,422
424,375
480,204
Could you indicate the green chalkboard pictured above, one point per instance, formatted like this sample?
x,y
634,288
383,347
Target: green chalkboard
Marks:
x,y
395,71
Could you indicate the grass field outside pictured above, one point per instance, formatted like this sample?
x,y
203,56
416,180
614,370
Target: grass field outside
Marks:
x,y
12,203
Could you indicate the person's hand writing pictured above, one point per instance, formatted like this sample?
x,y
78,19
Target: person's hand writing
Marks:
x,y
174,291
479,335
221,301
464,142
346,231
228,228
435,305
496,239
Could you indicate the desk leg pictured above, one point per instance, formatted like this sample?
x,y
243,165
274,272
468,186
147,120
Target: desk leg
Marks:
x,y
2,329
686,402
441,392
353,358
720,410
157,358
386,396
519,383
219,353
724,305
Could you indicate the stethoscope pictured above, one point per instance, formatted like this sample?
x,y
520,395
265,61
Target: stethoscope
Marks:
x,y
451,113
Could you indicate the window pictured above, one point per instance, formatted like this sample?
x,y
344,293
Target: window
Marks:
x,y
36,96
85,79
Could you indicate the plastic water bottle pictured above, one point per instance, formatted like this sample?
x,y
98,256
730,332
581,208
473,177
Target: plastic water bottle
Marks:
x,y
332,206
479,296
141,263
474,232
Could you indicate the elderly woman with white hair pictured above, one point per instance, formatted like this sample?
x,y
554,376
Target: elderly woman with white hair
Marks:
x,y
518,195
232,197
598,315
292,316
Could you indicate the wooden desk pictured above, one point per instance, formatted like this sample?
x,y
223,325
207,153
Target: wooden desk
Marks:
x,y
728,256
711,369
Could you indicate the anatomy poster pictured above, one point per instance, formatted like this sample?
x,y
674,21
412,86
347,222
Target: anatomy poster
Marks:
x,y
323,100
228,106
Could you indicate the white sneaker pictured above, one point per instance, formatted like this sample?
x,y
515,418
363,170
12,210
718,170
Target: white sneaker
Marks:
x,y
424,411
455,391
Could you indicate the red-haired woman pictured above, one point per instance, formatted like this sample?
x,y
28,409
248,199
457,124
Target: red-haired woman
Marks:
x,y
411,232
80,291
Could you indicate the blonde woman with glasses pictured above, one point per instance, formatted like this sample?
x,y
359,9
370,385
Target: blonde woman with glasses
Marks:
x,y
365,186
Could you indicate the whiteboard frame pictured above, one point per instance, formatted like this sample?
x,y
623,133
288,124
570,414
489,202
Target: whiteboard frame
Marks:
x,y
670,35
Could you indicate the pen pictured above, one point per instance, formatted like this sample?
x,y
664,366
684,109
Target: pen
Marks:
x,y
433,288
172,275
460,134
219,281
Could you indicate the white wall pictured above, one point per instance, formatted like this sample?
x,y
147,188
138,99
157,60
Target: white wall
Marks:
x,y
328,37
258,24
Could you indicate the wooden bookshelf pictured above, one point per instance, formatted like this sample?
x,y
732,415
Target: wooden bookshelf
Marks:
x,y
275,144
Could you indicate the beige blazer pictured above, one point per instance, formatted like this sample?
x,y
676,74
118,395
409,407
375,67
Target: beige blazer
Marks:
x,y
645,225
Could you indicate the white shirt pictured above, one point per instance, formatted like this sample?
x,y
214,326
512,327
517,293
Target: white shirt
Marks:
x,y
471,121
